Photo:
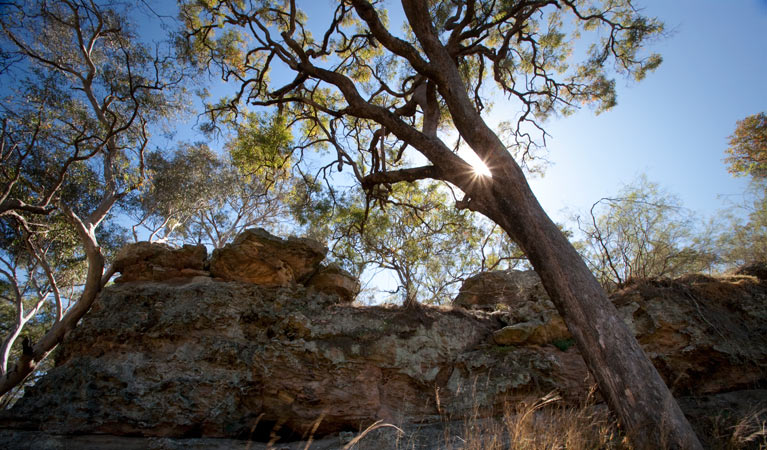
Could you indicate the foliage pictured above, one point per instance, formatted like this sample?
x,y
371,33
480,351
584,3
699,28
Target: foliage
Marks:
x,y
197,196
746,243
643,232
429,246
80,95
523,51
747,153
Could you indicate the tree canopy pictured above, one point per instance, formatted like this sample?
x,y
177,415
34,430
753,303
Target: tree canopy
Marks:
x,y
747,153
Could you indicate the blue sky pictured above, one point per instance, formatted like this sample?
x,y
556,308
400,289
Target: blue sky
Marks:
x,y
672,126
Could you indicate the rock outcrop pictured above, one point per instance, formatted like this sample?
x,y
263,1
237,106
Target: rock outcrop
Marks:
x,y
224,357
334,280
145,261
704,334
258,257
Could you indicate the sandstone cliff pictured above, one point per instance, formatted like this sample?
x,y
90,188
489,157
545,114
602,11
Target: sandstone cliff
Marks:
x,y
270,346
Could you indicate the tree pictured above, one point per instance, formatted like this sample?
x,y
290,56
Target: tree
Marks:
x,y
746,243
196,196
641,233
370,96
82,93
747,154
429,247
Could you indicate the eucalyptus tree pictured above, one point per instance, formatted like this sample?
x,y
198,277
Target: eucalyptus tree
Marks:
x,y
373,95
80,92
194,195
430,248
640,233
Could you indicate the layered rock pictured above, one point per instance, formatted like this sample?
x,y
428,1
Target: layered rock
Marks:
x,y
145,261
206,357
258,257
704,334
235,360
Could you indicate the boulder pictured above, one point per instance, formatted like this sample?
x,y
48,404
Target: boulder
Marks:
x,y
334,280
520,295
511,288
258,257
151,261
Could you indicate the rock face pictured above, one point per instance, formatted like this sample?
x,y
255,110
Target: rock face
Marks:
x,y
530,314
256,256
705,335
145,261
209,358
231,359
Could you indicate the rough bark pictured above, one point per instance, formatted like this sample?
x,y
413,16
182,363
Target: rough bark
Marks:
x,y
626,377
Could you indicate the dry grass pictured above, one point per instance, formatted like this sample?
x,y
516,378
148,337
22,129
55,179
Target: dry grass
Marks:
x,y
548,423
543,423
747,432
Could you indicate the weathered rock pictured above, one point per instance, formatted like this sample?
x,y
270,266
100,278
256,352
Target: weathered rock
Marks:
x,y
514,334
258,257
218,358
705,335
501,287
213,359
533,332
521,296
146,261
334,280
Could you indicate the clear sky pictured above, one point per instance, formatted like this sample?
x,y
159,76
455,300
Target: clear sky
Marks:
x,y
672,126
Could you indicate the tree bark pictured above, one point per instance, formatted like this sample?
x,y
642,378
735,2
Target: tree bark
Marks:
x,y
27,362
626,377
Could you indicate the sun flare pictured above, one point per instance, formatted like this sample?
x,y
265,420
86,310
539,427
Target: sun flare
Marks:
x,y
480,168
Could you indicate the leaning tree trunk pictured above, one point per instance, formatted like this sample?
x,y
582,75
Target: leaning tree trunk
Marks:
x,y
95,279
626,377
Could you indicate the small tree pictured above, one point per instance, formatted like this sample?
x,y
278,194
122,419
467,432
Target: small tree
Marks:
x,y
82,92
642,232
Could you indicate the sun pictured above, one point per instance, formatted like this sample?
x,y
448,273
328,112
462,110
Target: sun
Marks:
x,y
480,168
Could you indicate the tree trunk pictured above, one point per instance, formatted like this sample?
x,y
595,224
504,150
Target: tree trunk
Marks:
x,y
626,377
27,363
